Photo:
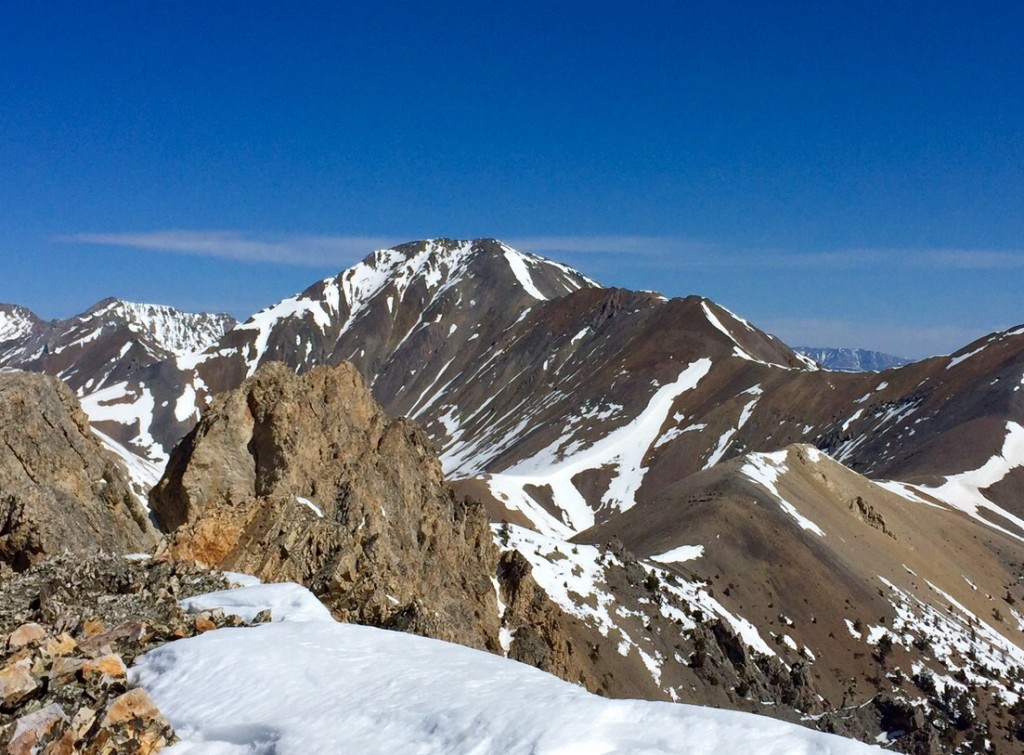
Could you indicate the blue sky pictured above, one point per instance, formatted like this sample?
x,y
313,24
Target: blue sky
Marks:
x,y
846,174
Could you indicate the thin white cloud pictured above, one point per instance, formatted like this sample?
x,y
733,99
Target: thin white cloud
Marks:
x,y
669,251
662,252
641,245
304,251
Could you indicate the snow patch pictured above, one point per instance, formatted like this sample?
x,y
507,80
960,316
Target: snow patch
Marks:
x,y
963,491
680,554
622,450
310,505
766,469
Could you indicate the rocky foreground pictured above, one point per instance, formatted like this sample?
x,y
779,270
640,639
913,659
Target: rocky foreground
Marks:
x,y
70,628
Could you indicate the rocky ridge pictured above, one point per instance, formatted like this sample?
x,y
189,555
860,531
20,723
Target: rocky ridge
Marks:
x,y
304,479
59,489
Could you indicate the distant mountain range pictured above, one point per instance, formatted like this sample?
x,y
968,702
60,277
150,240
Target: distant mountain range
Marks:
x,y
851,360
711,514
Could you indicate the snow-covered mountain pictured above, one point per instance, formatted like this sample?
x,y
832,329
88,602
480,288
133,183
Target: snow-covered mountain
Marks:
x,y
675,478
851,360
562,402
106,343
16,322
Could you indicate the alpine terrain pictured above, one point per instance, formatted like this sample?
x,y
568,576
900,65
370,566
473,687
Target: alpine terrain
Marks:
x,y
650,498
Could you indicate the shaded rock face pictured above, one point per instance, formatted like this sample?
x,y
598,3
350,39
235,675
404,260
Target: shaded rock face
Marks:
x,y
304,479
59,489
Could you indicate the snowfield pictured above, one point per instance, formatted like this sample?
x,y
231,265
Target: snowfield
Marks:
x,y
307,684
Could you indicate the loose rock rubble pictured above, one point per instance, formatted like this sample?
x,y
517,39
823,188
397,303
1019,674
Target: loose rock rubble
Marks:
x,y
69,628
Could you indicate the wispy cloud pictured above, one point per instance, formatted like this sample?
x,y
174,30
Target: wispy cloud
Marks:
x,y
670,251
651,251
304,251
611,244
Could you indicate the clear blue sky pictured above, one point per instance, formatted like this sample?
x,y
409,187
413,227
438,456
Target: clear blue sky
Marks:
x,y
847,173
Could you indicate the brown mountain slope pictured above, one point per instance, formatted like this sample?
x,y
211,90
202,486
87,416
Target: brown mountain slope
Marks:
x,y
829,564
303,478
521,370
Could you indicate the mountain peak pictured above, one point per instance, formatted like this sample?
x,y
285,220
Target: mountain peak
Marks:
x,y
16,322
169,329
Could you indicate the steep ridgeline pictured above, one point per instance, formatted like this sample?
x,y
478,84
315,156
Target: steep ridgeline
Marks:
x,y
17,323
403,315
851,360
952,426
105,344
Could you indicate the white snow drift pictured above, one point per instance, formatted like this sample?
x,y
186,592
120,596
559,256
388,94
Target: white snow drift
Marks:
x,y
317,686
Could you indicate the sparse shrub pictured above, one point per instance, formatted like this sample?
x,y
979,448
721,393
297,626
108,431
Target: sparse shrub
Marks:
x,y
884,647
700,653
925,682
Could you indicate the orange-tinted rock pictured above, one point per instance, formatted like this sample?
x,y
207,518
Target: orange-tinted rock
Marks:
x,y
16,683
32,729
61,645
26,634
64,670
104,674
35,728
203,624
92,627
132,723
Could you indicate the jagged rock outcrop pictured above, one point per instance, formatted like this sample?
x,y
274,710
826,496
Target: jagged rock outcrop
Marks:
x,y
303,478
59,489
